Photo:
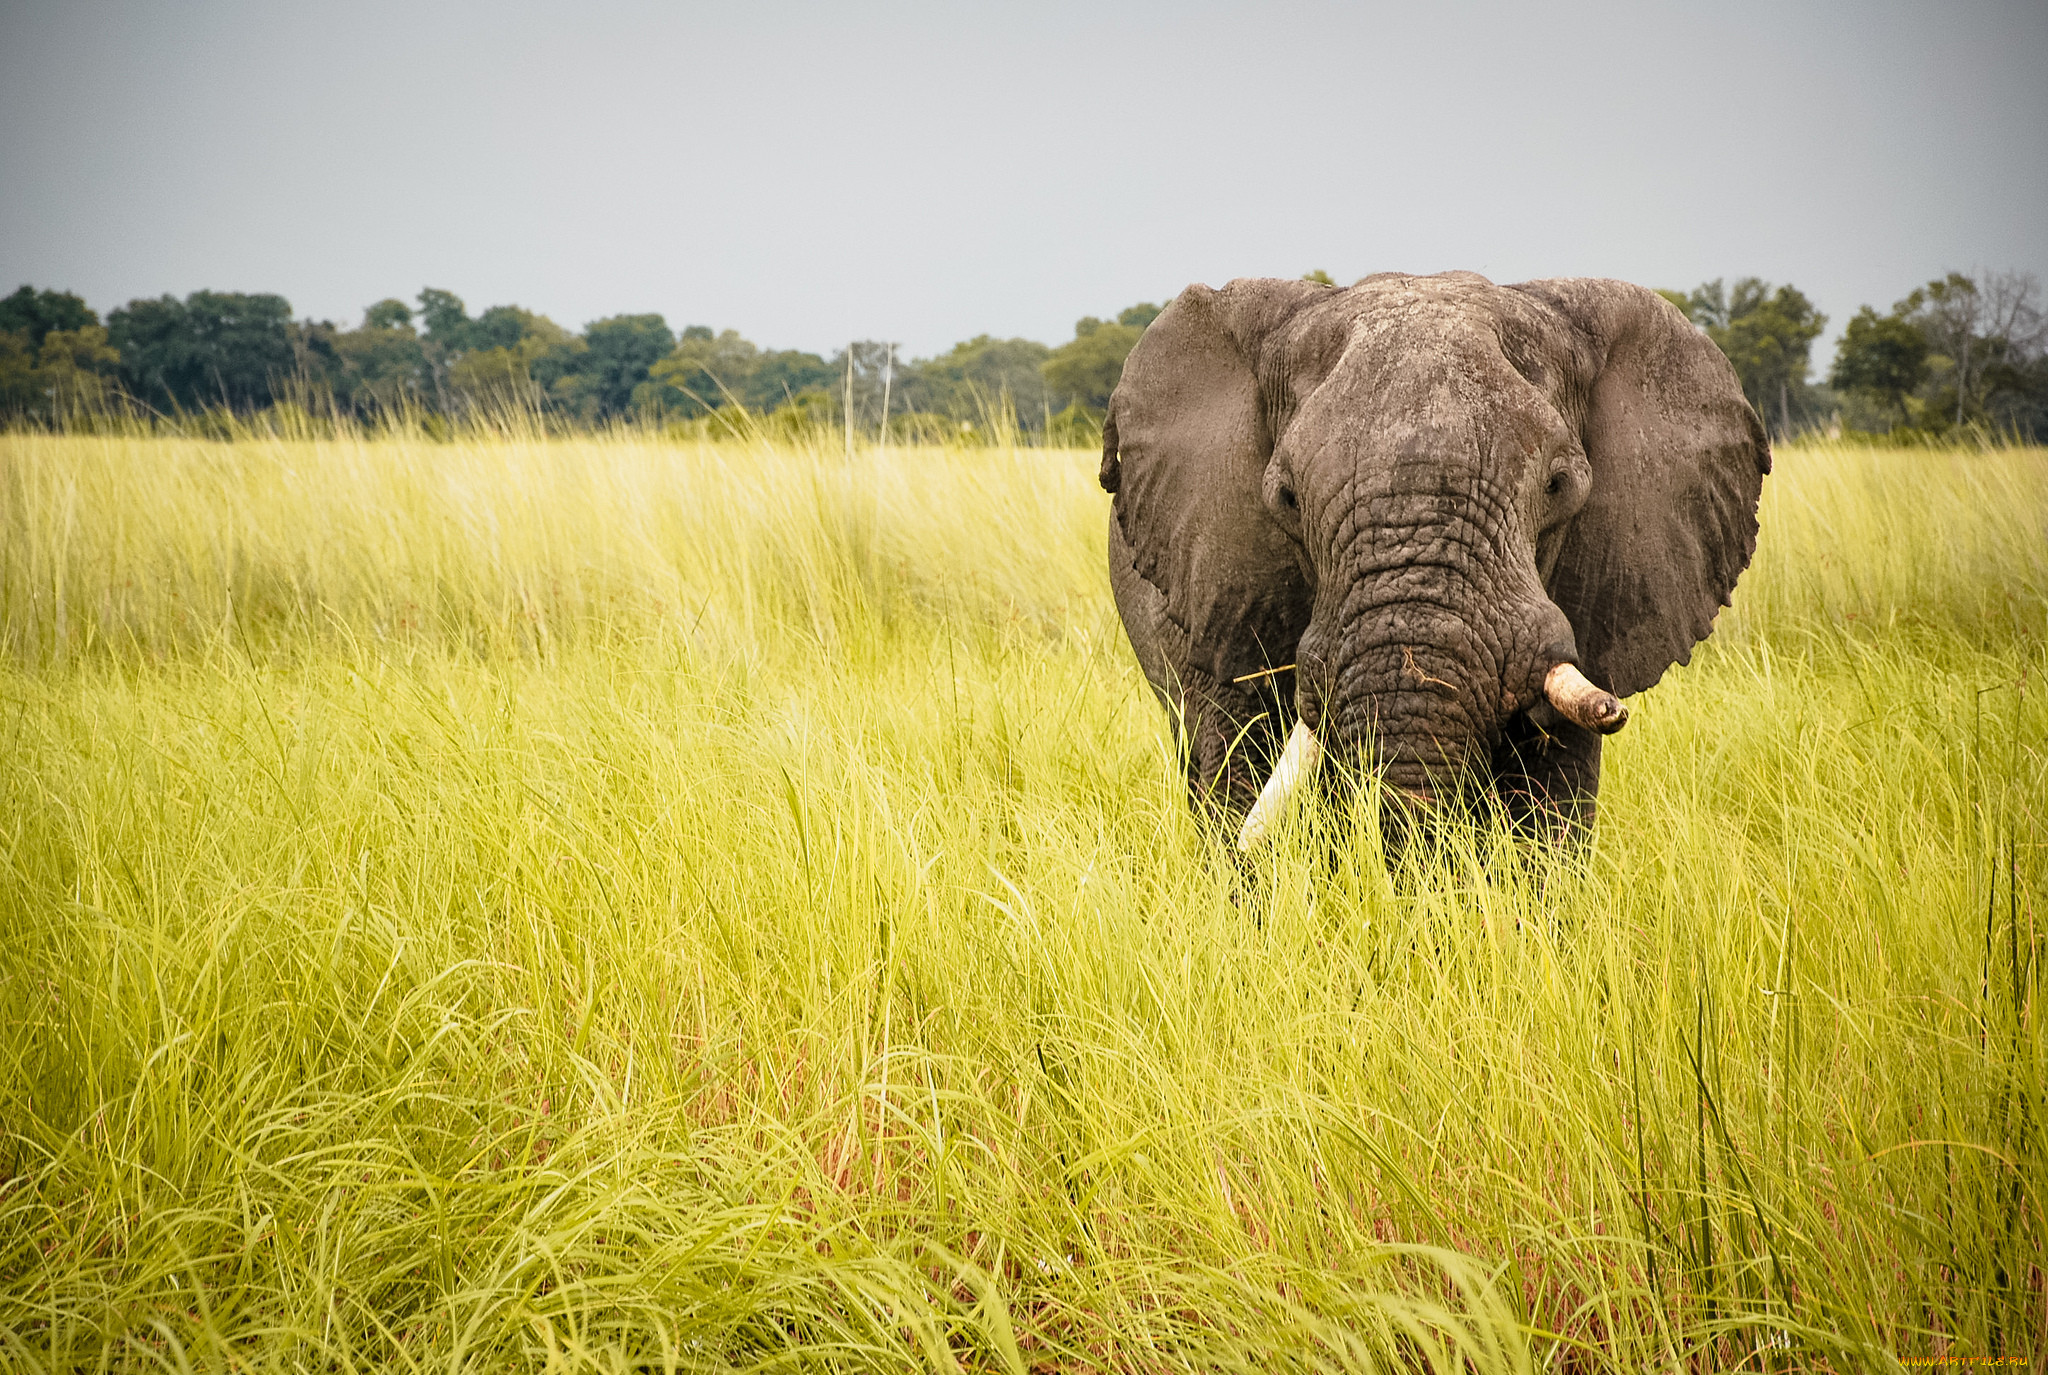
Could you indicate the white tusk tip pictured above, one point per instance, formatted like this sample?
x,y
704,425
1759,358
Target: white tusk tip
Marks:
x,y
1297,762
1580,702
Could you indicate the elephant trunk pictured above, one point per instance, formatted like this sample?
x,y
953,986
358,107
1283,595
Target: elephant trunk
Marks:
x,y
1431,631
1421,693
1416,706
1413,749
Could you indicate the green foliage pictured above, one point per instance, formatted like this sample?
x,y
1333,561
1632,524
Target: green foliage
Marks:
x,y
78,366
1075,427
214,348
1987,342
71,372
34,314
1958,353
55,362
1767,334
1085,370
805,417
21,393
976,379
507,356
505,372
783,375
503,348
1882,356
381,368
443,317
1319,277
508,327
389,313
1984,366
614,904
598,382
705,372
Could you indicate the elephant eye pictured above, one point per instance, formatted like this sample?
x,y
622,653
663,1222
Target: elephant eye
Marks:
x,y
1287,498
1555,485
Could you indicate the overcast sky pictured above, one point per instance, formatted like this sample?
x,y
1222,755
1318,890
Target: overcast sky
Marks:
x,y
809,173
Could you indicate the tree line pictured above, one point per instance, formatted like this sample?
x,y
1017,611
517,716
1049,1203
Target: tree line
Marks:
x,y
429,359
1962,351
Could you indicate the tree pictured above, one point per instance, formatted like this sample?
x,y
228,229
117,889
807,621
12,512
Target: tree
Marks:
x,y
34,314
1881,356
506,327
508,353
1086,369
20,389
378,369
701,373
2014,378
1319,277
2022,404
598,381
72,371
389,313
214,348
77,369
1706,306
973,380
785,375
506,344
1767,334
54,358
495,376
443,318
1983,336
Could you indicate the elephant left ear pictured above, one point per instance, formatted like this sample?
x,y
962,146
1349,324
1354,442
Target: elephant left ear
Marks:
x,y
1185,451
1678,460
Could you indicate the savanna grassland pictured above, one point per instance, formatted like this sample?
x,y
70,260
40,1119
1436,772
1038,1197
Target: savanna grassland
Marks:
x,y
614,904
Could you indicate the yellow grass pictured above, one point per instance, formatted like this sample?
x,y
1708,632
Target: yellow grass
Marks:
x,y
654,906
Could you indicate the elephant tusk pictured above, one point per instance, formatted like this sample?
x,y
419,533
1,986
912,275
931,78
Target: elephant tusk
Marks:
x,y
1297,763
1578,701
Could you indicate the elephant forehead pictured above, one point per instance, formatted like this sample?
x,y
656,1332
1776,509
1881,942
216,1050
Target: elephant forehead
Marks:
x,y
1435,384
1474,333
1457,311
1427,351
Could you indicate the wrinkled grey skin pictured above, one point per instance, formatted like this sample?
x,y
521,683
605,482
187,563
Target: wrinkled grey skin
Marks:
x,y
1425,492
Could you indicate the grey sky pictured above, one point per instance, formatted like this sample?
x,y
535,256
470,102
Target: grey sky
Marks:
x,y
808,173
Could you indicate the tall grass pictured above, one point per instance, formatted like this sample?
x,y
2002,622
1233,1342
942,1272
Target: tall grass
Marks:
x,y
611,904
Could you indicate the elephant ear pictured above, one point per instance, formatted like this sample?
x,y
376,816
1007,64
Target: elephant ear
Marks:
x,y
1678,460
1185,451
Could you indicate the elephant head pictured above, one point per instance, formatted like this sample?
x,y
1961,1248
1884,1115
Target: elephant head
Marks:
x,y
1437,525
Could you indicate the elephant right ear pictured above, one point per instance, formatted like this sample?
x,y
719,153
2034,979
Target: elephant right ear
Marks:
x,y
1678,459
1185,448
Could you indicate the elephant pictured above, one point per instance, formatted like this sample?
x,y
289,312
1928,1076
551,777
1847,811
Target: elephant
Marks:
x,y
1430,525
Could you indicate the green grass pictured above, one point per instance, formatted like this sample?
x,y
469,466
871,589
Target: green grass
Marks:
x,y
608,905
